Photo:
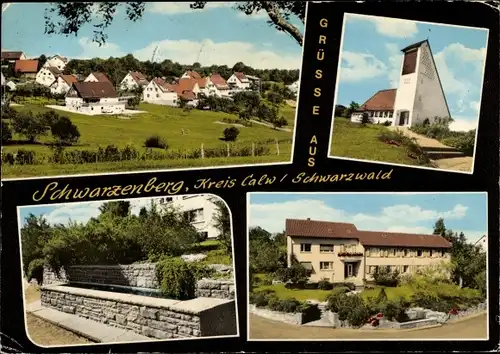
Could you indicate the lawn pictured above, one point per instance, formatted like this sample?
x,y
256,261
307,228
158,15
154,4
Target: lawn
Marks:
x,y
357,142
199,128
299,294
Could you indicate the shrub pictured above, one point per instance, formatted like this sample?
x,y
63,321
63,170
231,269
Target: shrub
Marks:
x,y
156,141
295,274
6,132
35,270
384,276
396,310
177,279
464,142
387,123
201,270
261,298
64,131
349,307
289,305
25,157
325,285
29,126
310,312
231,133
350,286
340,290
365,119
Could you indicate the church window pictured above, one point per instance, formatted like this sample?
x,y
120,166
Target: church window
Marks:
x,y
410,62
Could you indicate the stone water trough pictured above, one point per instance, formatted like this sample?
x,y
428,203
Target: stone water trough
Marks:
x,y
111,295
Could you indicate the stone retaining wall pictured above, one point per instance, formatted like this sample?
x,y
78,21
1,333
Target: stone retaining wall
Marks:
x,y
292,318
141,275
151,317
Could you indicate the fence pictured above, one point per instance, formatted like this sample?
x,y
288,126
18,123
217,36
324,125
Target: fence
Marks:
x,y
112,153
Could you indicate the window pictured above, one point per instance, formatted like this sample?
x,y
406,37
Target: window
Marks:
x,y
419,253
394,252
305,247
326,265
420,98
157,95
405,269
147,95
430,253
325,248
409,62
443,253
405,252
204,235
307,265
390,114
195,215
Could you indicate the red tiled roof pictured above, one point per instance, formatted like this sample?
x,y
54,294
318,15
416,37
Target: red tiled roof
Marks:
x,y
139,78
382,100
101,77
55,71
95,89
26,66
185,85
7,55
219,82
202,82
188,95
69,79
313,228
165,87
193,74
325,229
240,76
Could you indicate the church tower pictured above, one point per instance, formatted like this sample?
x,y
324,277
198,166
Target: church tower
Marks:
x,y
420,94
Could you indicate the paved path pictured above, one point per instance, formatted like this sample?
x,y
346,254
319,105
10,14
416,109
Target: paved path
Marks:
x,y
456,161
473,327
95,331
270,125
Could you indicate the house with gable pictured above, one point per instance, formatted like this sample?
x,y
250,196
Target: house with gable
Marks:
x,y
62,84
94,98
339,252
134,79
12,56
239,81
419,98
26,68
57,61
97,77
160,92
191,75
223,89
47,75
188,90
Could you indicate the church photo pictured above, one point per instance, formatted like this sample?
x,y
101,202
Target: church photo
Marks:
x,y
408,93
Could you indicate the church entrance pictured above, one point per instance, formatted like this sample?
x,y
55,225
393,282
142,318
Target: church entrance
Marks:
x,y
403,117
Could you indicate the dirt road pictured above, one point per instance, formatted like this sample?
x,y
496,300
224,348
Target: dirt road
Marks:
x,y
474,327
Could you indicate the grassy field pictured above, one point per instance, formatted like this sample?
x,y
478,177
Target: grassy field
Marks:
x,y
299,294
354,141
200,127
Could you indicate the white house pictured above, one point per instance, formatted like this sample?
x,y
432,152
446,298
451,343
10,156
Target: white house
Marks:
x,y
191,75
97,77
47,75
294,87
239,81
419,97
200,210
133,80
56,61
223,89
160,92
63,84
94,98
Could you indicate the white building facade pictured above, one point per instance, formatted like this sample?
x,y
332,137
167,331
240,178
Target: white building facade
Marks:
x,y
94,98
158,92
200,209
239,81
56,62
47,75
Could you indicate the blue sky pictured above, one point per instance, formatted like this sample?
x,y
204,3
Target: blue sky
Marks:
x,y
224,36
411,213
371,61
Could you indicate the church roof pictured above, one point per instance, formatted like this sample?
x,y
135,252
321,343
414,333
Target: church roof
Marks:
x,y
413,46
383,100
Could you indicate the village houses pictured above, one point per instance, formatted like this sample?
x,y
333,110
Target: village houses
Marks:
x,y
47,75
26,68
133,80
11,56
94,98
160,92
339,252
419,98
56,61
239,81
97,77
63,84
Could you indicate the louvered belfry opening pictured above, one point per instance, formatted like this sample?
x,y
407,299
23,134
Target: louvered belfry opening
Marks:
x,y
410,62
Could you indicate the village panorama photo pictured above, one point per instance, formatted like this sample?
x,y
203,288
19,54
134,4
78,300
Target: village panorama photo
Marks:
x,y
368,266
135,270
136,86
408,93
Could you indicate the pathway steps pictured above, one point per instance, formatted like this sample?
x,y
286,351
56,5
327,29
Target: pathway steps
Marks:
x,y
95,331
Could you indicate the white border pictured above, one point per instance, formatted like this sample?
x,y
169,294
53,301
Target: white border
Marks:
x,y
332,130
127,342
201,167
360,194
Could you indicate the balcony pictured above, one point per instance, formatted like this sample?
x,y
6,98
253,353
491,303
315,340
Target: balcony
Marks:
x,y
350,256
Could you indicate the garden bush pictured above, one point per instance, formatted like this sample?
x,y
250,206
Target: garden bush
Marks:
x,y
231,133
395,310
325,285
296,274
35,270
261,298
349,307
398,138
384,276
176,278
156,141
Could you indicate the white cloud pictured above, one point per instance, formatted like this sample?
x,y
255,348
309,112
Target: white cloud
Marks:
x,y
174,8
400,218
78,212
221,53
91,49
394,67
463,124
360,66
390,27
